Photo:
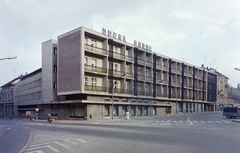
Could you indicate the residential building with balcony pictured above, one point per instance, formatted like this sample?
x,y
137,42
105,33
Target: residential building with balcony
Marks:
x,y
83,69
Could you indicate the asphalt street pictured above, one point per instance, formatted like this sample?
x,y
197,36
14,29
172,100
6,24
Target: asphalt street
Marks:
x,y
204,132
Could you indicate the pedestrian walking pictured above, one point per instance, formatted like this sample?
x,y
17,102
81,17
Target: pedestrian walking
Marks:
x,y
49,118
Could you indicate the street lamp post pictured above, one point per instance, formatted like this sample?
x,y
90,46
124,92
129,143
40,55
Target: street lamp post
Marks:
x,y
8,58
151,98
112,92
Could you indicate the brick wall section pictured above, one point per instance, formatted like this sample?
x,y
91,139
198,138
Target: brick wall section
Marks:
x,y
69,62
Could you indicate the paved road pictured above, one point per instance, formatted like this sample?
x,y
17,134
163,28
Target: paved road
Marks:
x,y
205,132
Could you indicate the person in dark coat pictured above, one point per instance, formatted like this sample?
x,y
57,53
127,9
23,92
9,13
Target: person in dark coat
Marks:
x,y
49,118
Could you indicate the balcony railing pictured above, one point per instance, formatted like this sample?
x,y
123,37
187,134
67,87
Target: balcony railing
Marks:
x,y
129,75
141,77
129,92
174,70
140,61
173,83
148,79
148,93
116,55
148,63
95,88
198,77
140,92
115,72
116,90
178,71
129,58
165,81
159,66
95,68
95,49
165,67
164,95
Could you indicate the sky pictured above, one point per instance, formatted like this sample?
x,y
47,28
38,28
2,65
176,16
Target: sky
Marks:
x,y
196,32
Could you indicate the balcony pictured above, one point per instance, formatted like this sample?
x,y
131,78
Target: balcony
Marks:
x,y
174,70
129,75
148,63
129,91
159,66
140,61
165,68
165,81
116,90
95,68
198,77
140,92
95,49
141,77
164,95
115,72
116,55
149,79
178,71
95,88
148,93
129,58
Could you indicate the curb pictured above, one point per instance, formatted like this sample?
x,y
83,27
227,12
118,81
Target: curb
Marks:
x,y
236,121
27,143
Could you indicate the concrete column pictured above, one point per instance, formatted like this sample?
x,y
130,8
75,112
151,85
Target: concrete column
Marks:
x,y
136,110
177,108
142,110
202,107
191,107
149,111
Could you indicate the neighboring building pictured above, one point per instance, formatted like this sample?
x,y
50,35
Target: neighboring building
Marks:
x,y
233,97
28,95
222,89
81,68
7,98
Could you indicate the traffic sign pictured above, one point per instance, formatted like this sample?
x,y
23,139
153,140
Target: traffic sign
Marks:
x,y
37,109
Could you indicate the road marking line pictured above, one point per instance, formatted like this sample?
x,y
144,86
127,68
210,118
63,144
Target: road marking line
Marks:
x,y
209,121
174,121
190,121
71,142
81,140
167,123
52,148
40,144
61,144
38,151
28,149
203,121
218,122
226,122
195,121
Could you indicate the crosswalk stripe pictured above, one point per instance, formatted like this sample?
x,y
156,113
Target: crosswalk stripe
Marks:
x,y
71,142
218,122
81,140
209,121
202,121
52,148
37,151
61,144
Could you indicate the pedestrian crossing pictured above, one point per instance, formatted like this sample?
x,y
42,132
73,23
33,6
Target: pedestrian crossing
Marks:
x,y
179,122
53,142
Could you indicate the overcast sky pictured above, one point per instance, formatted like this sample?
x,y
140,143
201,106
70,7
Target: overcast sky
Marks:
x,y
197,32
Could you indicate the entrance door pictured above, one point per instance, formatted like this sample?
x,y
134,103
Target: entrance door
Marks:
x,y
168,110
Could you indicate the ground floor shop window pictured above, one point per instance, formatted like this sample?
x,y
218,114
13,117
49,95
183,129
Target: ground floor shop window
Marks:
x,y
76,111
132,111
54,110
145,111
124,109
106,110
154,110
139,110
180,107
115,111
193,108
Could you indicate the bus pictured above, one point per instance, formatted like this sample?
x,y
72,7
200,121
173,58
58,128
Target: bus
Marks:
x,y
231,112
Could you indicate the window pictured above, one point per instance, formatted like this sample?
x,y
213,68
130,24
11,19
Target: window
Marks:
x,y
94,62
94,81
139,70
146,87
139,86
116,67
93,43
154,110
76,111
139,110
85,60
86,81
115,111
145,111
55,68
132,110
106,110
55,50
86,40
54,110
55,85
124,109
